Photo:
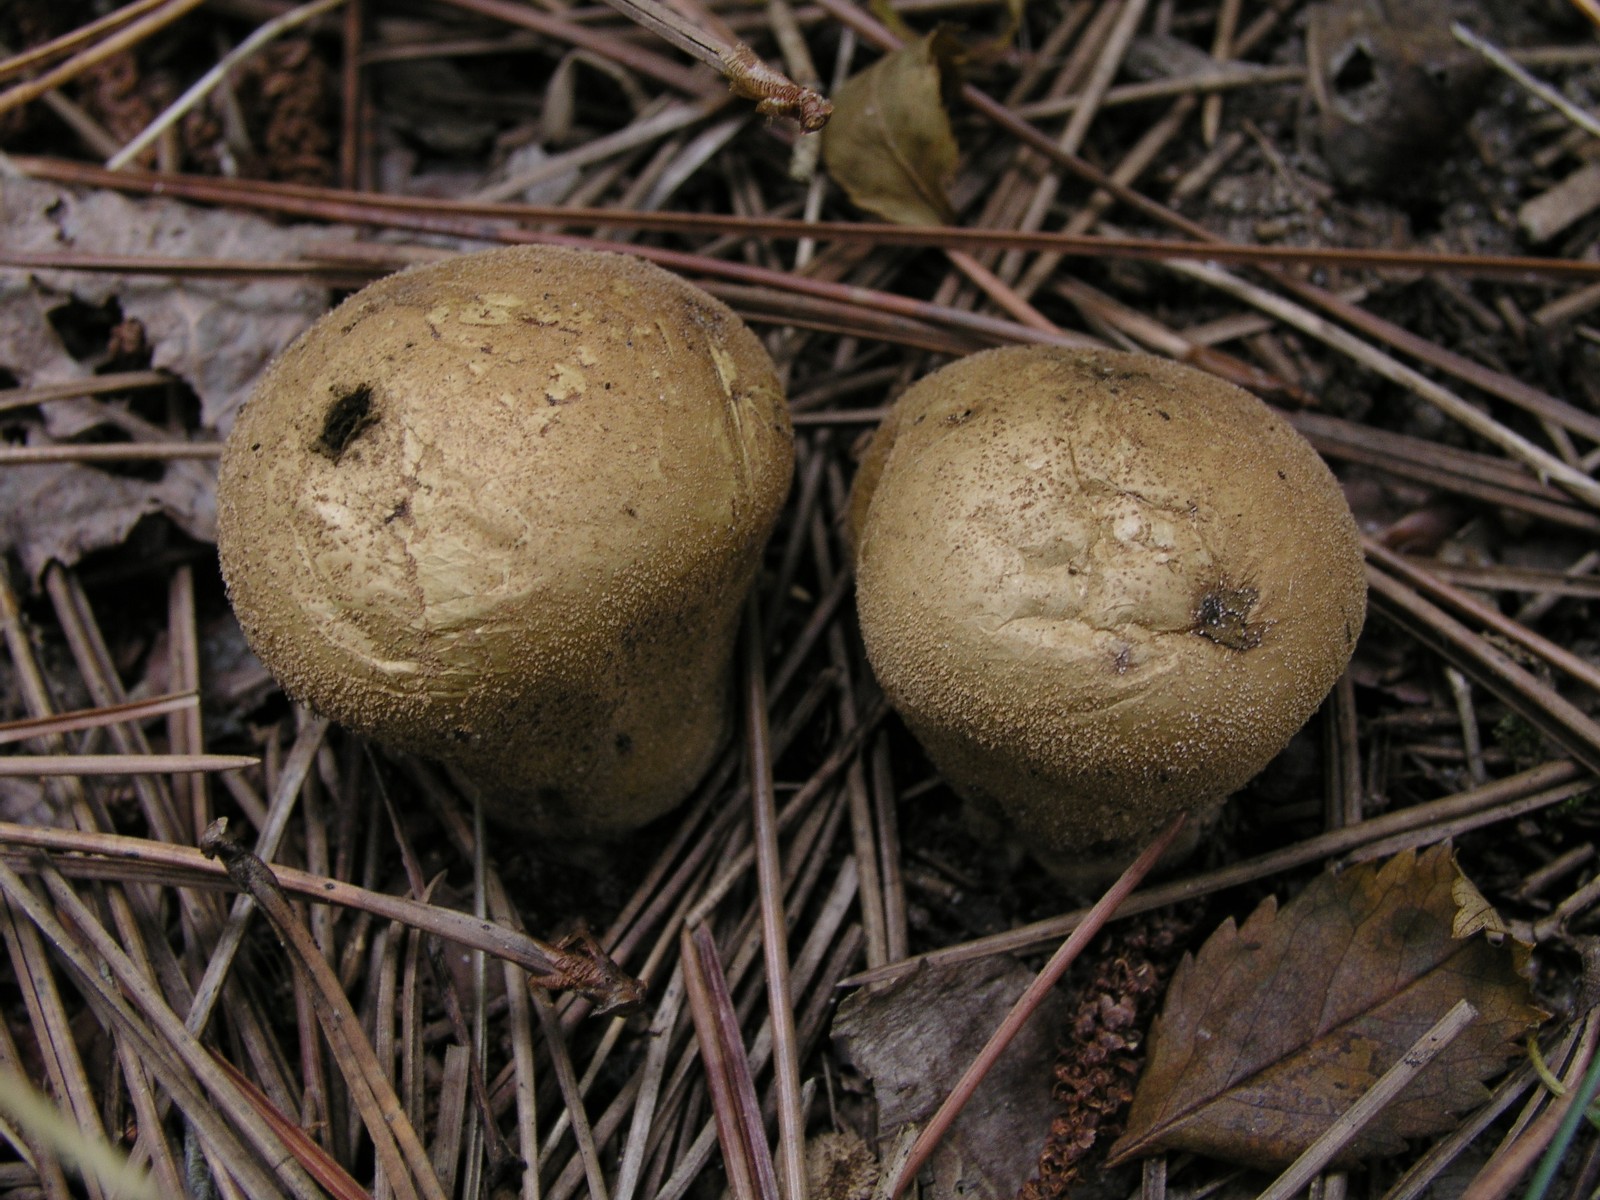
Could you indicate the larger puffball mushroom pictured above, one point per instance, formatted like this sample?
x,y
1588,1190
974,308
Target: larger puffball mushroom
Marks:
x,y
1100,588
503,510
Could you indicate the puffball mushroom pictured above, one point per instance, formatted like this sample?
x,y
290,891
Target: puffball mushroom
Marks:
x,y
503,510
1100,588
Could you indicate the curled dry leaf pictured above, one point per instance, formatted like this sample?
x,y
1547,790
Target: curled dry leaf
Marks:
x,y
889,143
59,512
217,335
1277,1026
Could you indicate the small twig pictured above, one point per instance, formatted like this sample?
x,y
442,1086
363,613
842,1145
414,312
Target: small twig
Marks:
x,y
583,967
1583,120
400,1153
1210,81
125,38
775,94
201,87
89,1155
58,47
567,1078
774,932
727,1069
1546,784
107,452
269,835
30,765
1389,1085
94,385
659,1041
1466,710
1030,1000
1221,49
437,216
93,718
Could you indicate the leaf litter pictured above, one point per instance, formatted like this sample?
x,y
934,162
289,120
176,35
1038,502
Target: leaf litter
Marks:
x,y
1397,776
1276,1026
889,144
914,1039
214,335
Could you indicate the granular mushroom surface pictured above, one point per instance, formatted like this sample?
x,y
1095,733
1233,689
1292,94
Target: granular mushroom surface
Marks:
x,y
503,510
1100,587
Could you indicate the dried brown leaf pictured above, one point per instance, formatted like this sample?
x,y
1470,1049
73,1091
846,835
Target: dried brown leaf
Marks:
x,y
58,512
215,334
914,1039
889,143
1276,1027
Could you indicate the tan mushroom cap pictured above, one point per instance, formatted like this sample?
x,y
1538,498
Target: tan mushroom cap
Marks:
x,y
503,509
1100,587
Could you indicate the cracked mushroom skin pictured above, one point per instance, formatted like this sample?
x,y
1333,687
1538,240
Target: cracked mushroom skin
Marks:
x,y
1099,588
503,510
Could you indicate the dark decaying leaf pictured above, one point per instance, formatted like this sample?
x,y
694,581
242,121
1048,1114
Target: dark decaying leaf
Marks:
x,y
889,143
1276,1027
914,1039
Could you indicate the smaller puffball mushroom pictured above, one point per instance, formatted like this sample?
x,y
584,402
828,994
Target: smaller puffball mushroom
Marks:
x,y
1100,588
503,510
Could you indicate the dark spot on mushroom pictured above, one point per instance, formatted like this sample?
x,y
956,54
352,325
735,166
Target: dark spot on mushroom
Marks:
x,y
960,418
624,744
397,512
1356,71
345,419
1281,475
460,736
254,446
1163,415
1222,615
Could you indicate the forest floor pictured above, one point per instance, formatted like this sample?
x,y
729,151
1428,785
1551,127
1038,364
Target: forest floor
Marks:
x,y
1358,214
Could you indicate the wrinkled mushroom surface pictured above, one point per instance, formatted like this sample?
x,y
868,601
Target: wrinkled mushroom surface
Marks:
x,y
503,510
1100,587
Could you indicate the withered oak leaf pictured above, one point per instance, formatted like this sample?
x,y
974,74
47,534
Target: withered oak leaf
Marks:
x,y
1277,1026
